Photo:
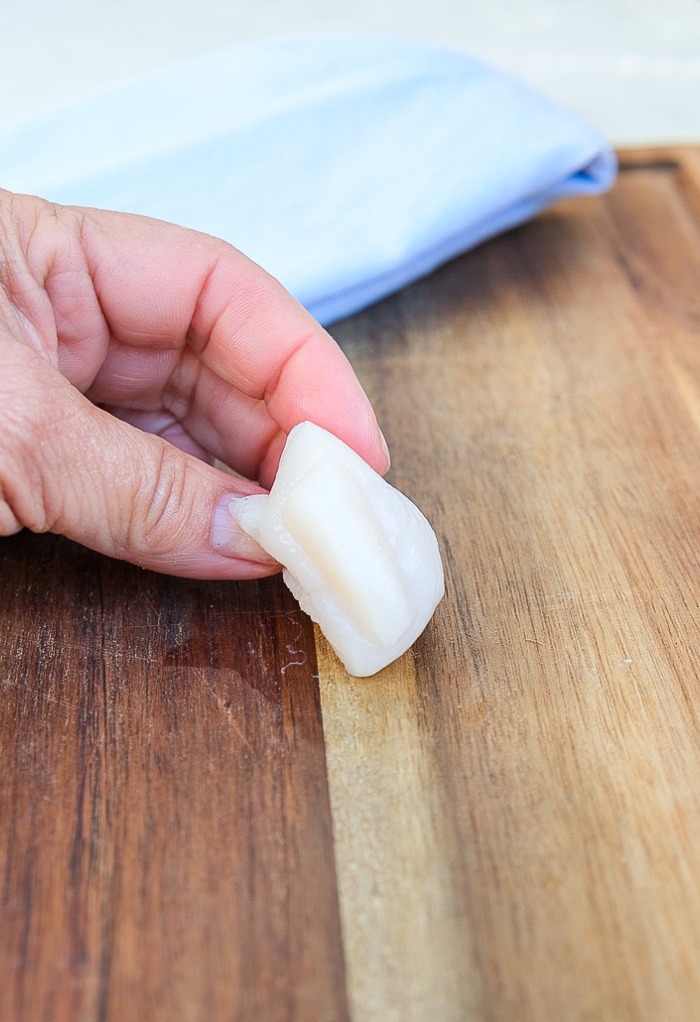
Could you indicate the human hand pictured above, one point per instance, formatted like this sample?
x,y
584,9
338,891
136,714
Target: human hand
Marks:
x,y
132,354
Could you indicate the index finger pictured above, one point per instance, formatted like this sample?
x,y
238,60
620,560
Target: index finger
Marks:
x,y
164,287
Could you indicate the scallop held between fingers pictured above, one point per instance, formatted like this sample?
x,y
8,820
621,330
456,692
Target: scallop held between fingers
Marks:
x,y
358,555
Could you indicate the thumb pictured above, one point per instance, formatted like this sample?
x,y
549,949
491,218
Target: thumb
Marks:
x,y
67,466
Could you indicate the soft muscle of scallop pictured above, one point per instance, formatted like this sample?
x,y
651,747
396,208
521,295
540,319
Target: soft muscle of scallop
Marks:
x,y
360,558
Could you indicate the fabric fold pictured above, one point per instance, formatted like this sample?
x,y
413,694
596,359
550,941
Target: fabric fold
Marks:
x,y
346,166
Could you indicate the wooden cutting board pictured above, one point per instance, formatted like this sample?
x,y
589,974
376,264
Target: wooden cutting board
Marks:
x,y
203,818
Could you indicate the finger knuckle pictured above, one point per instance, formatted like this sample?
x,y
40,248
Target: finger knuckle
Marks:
x,y
158,520
25,497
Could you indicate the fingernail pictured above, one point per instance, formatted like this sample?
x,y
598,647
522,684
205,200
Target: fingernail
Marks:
x,y
229,539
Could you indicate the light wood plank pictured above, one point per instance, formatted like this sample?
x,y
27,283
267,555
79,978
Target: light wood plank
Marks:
x,y
405,948
541,397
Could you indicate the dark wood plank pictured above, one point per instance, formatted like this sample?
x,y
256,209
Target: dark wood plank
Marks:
x,y
165,844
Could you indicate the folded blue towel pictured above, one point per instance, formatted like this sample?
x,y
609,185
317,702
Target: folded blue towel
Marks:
x,y
346,166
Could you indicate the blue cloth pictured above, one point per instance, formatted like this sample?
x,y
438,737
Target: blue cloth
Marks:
x,y
346,166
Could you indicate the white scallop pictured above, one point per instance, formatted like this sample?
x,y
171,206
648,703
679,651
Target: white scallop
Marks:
x,y
358,555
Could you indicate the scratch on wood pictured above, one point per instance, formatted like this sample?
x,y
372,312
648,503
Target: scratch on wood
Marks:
x,y
291,647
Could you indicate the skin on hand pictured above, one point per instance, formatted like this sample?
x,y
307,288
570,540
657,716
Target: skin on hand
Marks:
x,y
133,353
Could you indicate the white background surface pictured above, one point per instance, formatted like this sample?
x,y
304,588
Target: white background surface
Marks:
x,y
632,67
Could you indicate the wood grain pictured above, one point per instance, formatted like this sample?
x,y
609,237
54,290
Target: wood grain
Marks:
x,y
165,847
407,951
541,397
203,818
